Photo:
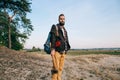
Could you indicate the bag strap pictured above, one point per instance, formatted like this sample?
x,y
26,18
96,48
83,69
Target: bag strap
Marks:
x,y
57,34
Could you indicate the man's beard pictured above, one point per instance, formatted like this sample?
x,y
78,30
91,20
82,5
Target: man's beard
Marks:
x,y
62,23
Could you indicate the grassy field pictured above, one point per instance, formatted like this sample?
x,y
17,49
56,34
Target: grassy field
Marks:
x,y
23,65
85,52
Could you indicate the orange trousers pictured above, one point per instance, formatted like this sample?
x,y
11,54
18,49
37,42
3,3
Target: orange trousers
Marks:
x,y
58,63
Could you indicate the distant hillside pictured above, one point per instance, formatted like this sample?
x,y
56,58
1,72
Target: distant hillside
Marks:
x,y
20,65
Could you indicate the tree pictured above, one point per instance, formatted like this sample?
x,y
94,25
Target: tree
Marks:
x,y
34,49
3,29
15,22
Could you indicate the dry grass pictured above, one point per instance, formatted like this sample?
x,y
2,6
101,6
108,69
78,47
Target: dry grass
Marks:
x,y
16,65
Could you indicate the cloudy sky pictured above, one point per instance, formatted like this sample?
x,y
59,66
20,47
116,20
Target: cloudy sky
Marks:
x,y
90,23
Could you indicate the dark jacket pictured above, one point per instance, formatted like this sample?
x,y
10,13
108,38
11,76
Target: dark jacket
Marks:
x,y
64,42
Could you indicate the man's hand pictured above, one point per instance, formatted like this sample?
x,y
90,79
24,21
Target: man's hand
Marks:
x,y
52,52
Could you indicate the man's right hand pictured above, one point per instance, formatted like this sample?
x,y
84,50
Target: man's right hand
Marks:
x,y
52,52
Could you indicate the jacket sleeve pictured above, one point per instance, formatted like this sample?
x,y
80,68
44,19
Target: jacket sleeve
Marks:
x,y
68,44
53,36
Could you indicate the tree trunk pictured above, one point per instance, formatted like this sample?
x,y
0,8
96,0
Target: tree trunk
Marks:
x,y
9,36
9,30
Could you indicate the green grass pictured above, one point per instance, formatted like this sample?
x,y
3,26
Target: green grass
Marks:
x,y
85,52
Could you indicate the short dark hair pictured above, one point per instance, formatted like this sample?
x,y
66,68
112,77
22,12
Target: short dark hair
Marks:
x,y
61,15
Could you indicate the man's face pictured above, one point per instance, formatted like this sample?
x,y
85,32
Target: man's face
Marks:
x,y
62,20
